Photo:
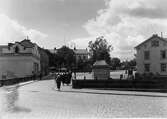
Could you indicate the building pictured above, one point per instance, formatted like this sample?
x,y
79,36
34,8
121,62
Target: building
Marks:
x,y
81,54
19,59
151,55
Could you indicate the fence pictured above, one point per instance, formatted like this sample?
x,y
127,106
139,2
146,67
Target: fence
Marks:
x,y
135,84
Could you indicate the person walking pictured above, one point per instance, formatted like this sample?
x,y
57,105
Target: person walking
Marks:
x,y
58,82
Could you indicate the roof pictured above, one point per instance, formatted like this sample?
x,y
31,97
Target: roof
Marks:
x,y
100,63
27,43
52,50
153,36
80,51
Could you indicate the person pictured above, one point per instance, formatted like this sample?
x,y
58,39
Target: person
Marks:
x,y
40,76
69,76
58,82
130,73
33,75
121,76
63,78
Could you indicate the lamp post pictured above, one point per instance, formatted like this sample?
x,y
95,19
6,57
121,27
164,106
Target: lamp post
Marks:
x,y
75,67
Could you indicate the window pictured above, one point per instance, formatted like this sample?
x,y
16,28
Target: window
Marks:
x,y
146,55
163,67
147,67
155,43
163,54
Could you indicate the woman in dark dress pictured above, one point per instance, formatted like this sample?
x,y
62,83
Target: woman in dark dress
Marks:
x,y
58,82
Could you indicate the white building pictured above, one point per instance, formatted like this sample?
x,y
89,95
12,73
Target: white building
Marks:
x,y
151,55
81,54
19,59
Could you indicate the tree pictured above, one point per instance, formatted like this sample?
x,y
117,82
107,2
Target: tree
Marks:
x,y
115,62
44,61
51,58
132,62
100,50
129,64
65,57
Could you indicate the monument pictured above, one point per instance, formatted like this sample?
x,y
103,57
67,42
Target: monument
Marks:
x,y
101,70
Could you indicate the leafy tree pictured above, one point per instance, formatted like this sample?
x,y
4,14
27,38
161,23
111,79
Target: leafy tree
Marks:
x,y
132,62
44,61
51,58
115,62
128,64
100,50
65,57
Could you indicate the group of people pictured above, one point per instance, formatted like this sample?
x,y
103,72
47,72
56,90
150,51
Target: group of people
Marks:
x,y
128,73
64,78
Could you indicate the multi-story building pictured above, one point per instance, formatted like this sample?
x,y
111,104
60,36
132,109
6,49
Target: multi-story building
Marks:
x,y
19,59
151,55
81,54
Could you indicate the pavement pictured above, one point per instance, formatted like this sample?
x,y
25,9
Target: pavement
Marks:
x,y
41,100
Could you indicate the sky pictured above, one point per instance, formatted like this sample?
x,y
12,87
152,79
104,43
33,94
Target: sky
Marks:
x,y
53,23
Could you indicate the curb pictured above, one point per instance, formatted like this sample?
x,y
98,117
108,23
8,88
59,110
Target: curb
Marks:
x,y
26,83
131,89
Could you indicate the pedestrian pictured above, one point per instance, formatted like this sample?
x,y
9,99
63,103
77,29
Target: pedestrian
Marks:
x,y
33,75
58,82
40,75
130,73
121,76
63,78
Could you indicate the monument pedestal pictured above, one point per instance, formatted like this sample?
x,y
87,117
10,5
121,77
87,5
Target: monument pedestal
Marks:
x,y
101,70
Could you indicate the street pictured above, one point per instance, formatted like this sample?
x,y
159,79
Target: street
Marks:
x,y
41,100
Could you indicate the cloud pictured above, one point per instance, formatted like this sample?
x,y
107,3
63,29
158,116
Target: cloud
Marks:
x,y
12,31
126,23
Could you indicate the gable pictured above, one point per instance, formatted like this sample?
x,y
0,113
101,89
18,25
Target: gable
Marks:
x,y
81,51
27,43
153,40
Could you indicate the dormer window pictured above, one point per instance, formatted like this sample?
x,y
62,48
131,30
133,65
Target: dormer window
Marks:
x,y
155,43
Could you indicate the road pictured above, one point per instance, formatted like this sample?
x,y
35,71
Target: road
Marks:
x,y
41,100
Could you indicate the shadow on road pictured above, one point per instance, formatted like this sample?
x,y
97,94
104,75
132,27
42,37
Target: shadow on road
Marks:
x,y
18,109
108,93
9,98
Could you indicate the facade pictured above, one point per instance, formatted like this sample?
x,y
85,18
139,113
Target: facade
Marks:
x,y
81,54
151,56
19,59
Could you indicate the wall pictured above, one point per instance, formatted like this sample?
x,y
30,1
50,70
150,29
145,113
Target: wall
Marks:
x,y
121,84
101,73
20,66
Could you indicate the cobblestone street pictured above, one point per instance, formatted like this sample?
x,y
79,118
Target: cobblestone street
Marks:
x,y
40,100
